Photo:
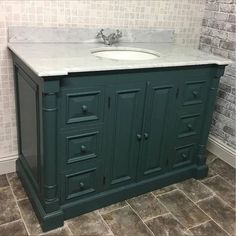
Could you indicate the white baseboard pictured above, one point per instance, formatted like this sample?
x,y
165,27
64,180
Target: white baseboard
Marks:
x,y
221,150
8,164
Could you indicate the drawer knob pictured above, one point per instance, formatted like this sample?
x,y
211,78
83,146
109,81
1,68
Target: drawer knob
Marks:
x,y
84,108
146,136
83,148
190,127
184,156
195,93
139,137
81,185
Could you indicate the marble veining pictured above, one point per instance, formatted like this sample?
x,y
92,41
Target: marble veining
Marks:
x,y
59,51
47,59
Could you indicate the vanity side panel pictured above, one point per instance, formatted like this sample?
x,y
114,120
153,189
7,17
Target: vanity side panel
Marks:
x,y
27,93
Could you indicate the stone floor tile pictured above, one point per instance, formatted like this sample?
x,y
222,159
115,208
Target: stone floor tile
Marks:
x,y
112,207
183,209
210,157
124,222
147,206
209,228
8,207
224,170
164,190
63,231
88,224
3,181
222,188
29,217
17,186
166,225
15,228
220,212
194,189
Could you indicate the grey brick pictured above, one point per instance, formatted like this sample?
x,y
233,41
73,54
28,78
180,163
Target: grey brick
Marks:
x,y
213,6
221,16
229,130
230,8
225,87
220,52
225,1
206,40
232,18
228,45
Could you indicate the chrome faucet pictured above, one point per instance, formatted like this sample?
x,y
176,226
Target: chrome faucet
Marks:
x,y
111,38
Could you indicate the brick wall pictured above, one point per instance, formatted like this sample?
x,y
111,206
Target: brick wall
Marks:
x,y
218,36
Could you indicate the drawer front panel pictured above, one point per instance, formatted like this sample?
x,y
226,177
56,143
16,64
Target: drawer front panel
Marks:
x,y
82,183
189,125
194,92
82,105
80,147
184,155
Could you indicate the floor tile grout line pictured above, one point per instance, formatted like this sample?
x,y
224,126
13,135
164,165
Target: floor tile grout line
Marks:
x,y
112,210
163,193
141,219
10,222
105,223
27,230
203,210
66,225
214,222
160,202
218,175
189,228
154,217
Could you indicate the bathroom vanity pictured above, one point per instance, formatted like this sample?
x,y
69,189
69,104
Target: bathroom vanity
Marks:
x,y
96,131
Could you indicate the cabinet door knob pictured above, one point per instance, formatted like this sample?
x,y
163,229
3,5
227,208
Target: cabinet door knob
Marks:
x,y
81,185
195,93
139,137
146,136
83,148
190,126
84,108
184,156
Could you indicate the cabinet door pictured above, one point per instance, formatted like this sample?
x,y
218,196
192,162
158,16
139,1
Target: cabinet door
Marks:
x,y
159,117
124,119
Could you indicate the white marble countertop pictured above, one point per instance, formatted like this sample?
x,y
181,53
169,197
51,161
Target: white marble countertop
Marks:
x,y
52,59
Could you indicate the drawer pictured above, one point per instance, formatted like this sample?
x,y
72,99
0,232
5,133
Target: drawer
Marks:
x,y
82,105
194,92
81,184
80,147
189,125
184,155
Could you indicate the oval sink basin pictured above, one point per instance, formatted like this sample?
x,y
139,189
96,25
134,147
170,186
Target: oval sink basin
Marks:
x,y
121,53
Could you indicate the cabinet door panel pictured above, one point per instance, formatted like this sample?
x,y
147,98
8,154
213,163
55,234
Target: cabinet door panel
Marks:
x,y
159,113
125,122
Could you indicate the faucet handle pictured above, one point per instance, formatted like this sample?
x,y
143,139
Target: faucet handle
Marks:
x,y
100,33
118,33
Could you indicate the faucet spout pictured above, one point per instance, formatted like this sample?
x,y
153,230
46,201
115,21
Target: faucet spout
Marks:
x,y
111,38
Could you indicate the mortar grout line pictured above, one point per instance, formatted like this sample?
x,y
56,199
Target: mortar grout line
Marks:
x,y
66,225
111,210
203,210
105,223
141,219
10,222
27,230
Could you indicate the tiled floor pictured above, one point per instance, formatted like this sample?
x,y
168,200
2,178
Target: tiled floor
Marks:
x,y
192,207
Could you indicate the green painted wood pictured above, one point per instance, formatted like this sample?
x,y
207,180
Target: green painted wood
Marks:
x,y
102,137
126,104
160,101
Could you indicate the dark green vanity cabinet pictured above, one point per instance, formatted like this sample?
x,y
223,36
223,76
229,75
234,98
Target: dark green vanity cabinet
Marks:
x,y
87,140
